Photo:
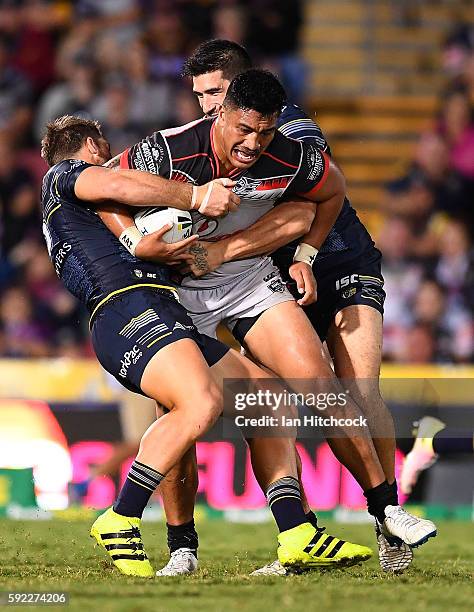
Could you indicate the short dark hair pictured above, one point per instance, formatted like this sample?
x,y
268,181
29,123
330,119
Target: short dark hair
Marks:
x,y
66,135
217,54
257,90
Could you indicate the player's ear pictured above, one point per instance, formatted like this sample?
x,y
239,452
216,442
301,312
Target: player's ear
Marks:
x,y
221,114
92,146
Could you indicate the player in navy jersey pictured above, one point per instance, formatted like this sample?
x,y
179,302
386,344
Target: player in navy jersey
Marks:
x,y
242,143
143,337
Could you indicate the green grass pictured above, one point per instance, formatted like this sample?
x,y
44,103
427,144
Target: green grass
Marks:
x,y
58,555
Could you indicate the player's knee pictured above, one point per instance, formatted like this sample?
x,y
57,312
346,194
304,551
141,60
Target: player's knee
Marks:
x,y
205,411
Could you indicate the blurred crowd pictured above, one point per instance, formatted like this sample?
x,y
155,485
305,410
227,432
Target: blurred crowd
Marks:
x,y
119,61
427,236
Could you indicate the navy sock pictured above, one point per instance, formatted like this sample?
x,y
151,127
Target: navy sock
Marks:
x,y
183,536
312,518
378,498
451,442
284,499
394,489
137,489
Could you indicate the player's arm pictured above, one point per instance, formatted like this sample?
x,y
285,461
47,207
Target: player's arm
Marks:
x,y
319,180
278,227
135,188
152,247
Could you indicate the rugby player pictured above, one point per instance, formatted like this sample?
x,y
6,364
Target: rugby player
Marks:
x,y
143,337
348,312
248,295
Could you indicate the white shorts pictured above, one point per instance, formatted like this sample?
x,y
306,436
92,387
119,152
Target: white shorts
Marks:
x,y
246,296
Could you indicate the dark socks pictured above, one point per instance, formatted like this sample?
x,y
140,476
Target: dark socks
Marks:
x,y
312,518
137,489
451,442
394,489
379,497
284,499
183,536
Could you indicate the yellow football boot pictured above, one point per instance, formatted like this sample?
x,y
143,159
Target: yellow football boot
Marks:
x,y
120,537
304,547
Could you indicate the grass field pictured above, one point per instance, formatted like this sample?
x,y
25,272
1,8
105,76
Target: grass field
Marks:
x,y
60,556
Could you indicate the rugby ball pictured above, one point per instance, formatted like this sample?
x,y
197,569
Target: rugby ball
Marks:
x,y
149,220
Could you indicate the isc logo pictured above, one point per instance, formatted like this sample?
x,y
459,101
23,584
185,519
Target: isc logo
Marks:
x,y
346,280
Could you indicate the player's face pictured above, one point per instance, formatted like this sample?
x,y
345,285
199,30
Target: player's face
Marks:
x,y
210,90
245,135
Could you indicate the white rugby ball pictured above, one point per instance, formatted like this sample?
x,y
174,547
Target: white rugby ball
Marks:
x,y
149,220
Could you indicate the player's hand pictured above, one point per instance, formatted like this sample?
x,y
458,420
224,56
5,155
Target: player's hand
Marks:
x,y
302,274
152,247
206,257
216,199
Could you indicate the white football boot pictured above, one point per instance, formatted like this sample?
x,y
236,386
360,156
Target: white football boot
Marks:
x,y
410,529
394,556
182,561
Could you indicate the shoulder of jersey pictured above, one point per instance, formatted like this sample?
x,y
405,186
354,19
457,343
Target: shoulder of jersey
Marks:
x,y
284,150
199,127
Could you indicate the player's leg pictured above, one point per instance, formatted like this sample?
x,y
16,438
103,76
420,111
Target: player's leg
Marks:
x,y
433,439
275,464
295,352
163,361
178,493
355,343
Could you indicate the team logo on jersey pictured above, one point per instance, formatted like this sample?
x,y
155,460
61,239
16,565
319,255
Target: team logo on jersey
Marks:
x,y
274,282
205,227
148,158
349,293
182,177
128,358
315,162
262,189
246,186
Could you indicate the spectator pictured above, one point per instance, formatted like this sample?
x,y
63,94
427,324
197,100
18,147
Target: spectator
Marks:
x,y
73,96
19,214
403,275
23,336
113,109
457,127
452,327
15,97
151,104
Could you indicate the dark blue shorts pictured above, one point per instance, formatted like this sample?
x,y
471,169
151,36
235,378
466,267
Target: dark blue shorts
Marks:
x,y
355,281
132,327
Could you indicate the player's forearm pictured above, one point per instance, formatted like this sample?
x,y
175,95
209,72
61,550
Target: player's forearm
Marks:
x,y
326,215
116,217
137,188
275,229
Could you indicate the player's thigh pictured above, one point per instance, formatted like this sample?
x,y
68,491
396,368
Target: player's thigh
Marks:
x,y
178,374
355,342
284,340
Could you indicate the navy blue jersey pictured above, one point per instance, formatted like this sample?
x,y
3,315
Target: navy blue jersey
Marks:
x,y
87,257
348,237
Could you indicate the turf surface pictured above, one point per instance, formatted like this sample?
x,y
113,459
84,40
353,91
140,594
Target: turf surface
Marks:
x,y
58,555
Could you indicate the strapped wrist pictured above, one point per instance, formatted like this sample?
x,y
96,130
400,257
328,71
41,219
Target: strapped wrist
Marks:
x,y
130,238
306,253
